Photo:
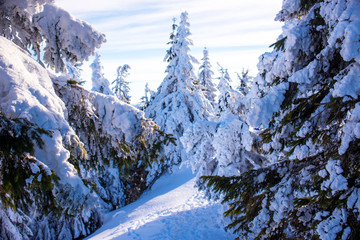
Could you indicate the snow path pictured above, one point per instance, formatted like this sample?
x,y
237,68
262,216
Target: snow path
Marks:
x,y
172,209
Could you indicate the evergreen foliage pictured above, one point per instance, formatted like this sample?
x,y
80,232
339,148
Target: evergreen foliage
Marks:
x,y
92,152
121,88
17,161
74,73
37,204
31,23
177,102
32,197
147,98
229,100
170,53
205,82
245,82
291,199
99,82
221,145
107,149
180,75
306,88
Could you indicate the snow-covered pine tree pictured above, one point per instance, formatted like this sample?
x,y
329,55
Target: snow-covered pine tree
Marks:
x,y
221,145
180,68
29,23
228,99
177,103
147,98
121,88
308,87
170,53
205,82
99,82
65,157
119,141
224,87
244,81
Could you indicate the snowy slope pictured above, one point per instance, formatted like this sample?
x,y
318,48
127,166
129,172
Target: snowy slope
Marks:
x,y
172,209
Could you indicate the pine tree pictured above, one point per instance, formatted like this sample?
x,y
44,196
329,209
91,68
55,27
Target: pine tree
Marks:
x,y
306,91
30,23
205,78
38,183
176,104
170,53
121,88
99,82
244,80
224,88
222,144
147,98
220,147
228,99
180,75
67,155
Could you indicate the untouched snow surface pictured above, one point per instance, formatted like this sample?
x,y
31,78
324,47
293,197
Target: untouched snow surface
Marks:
x,y
172,209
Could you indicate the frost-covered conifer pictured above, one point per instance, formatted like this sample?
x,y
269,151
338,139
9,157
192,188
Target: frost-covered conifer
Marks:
x,y
147,98
244,81
224,88
121,88
228,99
177,102
29,23
67,155
99,82
205,82
180,75
221,145
170,53
307,92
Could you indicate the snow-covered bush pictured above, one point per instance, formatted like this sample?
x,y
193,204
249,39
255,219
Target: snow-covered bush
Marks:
x,y
307,96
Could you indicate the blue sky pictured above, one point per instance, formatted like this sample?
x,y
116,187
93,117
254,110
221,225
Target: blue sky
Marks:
x,y
236,33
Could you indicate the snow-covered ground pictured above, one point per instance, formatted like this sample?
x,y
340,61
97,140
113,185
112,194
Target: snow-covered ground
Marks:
x,y
172,209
